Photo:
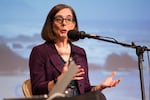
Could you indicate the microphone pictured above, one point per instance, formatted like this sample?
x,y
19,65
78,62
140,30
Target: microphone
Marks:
x,y
75,35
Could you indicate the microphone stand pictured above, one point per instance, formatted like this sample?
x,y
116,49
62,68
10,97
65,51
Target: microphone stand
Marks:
x,y
139,52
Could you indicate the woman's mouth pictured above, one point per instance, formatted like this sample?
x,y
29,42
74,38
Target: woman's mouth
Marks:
x,y
63,31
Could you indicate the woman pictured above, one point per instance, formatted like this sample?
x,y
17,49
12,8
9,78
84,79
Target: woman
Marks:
x,y
49,61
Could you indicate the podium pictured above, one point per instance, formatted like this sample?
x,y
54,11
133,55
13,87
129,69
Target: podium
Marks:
x,y
96,95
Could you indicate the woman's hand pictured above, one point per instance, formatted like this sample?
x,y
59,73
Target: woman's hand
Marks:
x,y
79,74
108,82
65,69
52,83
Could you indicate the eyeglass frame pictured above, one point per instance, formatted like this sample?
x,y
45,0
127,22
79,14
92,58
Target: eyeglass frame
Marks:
x,y
60,19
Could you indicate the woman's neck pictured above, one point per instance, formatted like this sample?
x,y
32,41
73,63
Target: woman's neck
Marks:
x,y
61,44
63,49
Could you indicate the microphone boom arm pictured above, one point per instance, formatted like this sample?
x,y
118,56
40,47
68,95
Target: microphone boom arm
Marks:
x,y
139,52
132,45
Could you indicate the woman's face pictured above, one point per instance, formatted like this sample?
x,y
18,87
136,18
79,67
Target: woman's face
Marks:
x,y
63,22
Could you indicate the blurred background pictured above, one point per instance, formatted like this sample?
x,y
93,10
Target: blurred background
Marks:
x,y
127,21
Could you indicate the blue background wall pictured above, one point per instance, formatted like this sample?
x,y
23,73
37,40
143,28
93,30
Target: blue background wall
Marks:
x,y
127,21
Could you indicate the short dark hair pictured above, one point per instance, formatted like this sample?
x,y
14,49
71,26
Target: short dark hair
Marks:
x,y
47,31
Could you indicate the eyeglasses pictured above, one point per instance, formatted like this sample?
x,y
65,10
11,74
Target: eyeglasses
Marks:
x,y
60,20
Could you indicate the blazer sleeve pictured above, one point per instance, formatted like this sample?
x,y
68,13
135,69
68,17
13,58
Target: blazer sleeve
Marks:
x,y
37,72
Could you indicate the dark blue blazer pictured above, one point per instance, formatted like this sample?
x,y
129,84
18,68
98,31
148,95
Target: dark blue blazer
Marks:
x,y
46,64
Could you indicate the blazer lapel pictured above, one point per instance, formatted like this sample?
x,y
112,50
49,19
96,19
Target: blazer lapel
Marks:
x,y
55,58
57,62
76,54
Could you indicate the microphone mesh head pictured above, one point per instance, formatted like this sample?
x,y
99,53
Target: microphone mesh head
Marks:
x,y
73,35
